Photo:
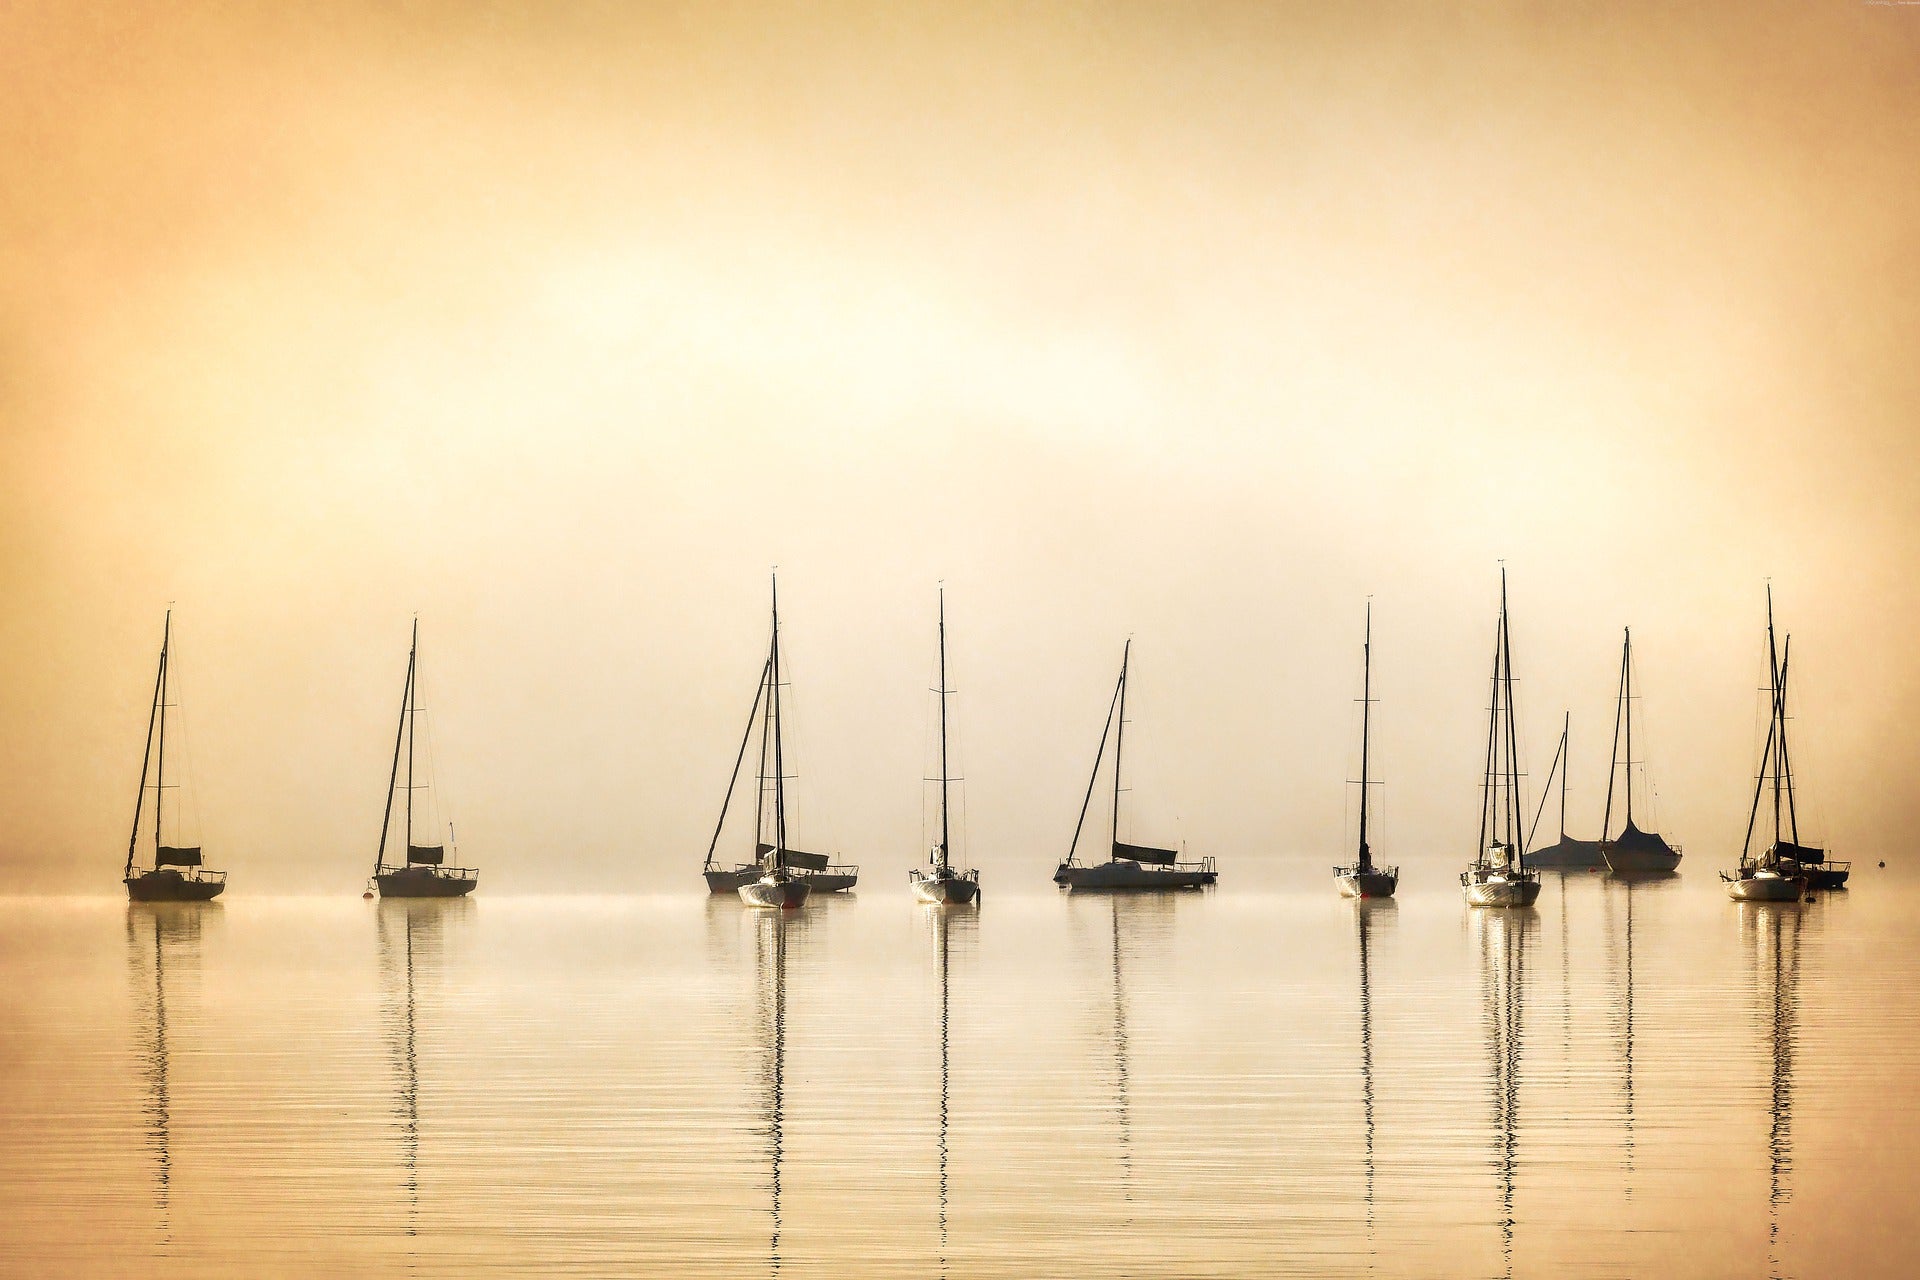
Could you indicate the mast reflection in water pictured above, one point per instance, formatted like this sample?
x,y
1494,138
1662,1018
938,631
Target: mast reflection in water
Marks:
x,y
1503,939
1771,932
161,936
411,935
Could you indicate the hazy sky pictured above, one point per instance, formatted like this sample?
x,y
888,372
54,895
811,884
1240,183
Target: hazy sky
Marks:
x,y
560,324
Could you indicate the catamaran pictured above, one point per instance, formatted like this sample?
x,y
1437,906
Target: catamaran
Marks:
x,y
1633,850
424,873
1365,879
1569,853
940,883
177,874
1129,866
1779,873
1497,877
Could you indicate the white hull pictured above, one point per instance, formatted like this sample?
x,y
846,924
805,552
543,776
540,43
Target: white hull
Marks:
x,y
1502,893
770,892
1366,884
1763,887
953,890
1131,875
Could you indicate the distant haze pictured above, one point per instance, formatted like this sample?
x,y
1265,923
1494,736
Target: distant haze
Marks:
x,y
561,325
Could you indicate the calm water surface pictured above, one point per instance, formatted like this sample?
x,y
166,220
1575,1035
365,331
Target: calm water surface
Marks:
x,y
1626,1080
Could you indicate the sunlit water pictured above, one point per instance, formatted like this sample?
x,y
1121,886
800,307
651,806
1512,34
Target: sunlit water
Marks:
x,y
1644,1080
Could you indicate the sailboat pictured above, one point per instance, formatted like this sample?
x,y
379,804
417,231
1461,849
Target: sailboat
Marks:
x,y
1497,877
1129,866
940,882
814,871
1569,853
1633,849
1777,873
424,873
1364,879
177,874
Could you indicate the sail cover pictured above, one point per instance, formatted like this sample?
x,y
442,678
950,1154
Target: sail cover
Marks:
x,y
430,854
1634,840
1567,851
795,858
1799,852
170,856
1143,853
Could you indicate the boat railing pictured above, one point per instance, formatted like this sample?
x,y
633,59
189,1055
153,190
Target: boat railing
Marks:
x,y
200,875
836,869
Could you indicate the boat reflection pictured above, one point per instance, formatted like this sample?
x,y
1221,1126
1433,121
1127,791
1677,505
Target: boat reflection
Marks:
x,y
1370,914
161,936
1502,938
770,933
948,925
1771,933
411,935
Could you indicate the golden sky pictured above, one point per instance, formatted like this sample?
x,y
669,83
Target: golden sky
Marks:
x,y
561,324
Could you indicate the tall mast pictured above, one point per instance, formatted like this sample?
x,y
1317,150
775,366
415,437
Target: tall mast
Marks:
x,y
779,763
1513,745
945,857
1613,760
413,715
733,779
146,754
393,775
1487,807
1366,711
766,744
160,761
1119,732
1086,801
1566,766
1766,755
1626,685
1786,759
1779,718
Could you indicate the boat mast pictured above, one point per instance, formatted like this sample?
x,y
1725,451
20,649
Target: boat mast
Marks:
x,y
413,715
1626,685
779,764
766,742
1566,765
1366,710
1486,787
1766,756
393,776
1513,745
1613,761
1779,718
1119,733
1786,758
140,796
945,859
160,760
740,759
1094,777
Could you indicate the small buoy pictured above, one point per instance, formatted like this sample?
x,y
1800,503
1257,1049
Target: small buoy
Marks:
x,y
367,894
1883,866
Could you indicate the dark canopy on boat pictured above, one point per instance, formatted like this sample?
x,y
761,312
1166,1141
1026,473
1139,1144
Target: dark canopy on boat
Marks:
x,y
1567,852
1143,853
430,854
170,856
1799,852
1634,840
795,858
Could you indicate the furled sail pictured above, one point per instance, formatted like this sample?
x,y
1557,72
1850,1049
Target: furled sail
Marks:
x,y
430,854
1634,840
795,858
1566,849
1143,853
170,856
